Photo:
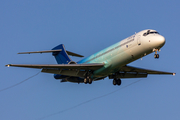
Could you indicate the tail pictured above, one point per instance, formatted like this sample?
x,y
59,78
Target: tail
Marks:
x,y
59,52
61,56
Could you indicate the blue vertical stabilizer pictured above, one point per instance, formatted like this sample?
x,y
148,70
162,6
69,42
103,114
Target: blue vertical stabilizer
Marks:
x,y
61,56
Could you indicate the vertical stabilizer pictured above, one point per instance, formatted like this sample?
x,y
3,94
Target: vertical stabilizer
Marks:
x,y
61,56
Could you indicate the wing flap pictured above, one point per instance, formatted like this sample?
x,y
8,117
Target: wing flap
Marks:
x,y
67,72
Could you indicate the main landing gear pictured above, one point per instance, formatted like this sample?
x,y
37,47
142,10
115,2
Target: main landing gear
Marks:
x,y
87,80
117,82
156,56
87,77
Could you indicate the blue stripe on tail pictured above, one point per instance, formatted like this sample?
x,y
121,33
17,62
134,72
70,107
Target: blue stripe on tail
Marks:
x,y
62,56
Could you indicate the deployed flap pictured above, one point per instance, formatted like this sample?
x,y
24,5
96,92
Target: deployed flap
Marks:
x,y
141,70
93,66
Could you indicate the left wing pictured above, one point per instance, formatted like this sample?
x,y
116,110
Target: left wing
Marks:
x,y
142,70
134,72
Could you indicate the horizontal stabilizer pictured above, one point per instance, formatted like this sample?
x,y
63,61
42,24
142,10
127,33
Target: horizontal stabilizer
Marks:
x,y
47,51
73,54
50,51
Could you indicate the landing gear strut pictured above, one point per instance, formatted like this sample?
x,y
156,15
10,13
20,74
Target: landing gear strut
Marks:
x,y
117,82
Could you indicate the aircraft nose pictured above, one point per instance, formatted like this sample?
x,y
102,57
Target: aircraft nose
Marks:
x,y
160,40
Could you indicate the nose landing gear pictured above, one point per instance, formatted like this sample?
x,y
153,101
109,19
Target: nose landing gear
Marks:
x,y
156,56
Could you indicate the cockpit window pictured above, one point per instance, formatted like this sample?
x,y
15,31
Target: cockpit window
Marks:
x,y
154,32
148,32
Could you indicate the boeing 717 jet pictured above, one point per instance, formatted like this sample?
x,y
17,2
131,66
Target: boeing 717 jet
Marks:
x,y
111,62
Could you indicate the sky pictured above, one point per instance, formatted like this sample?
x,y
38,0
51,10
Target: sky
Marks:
x,y
86,27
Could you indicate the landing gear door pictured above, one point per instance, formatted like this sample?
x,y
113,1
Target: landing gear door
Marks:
x,y
139,40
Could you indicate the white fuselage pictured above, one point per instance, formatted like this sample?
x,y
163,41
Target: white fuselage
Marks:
x,y
126,51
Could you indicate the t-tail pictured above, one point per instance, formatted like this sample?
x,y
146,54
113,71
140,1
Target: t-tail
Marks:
x,y
61,56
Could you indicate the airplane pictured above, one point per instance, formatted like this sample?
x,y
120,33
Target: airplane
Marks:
x,y
110,62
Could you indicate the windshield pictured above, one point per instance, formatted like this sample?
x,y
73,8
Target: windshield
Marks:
x,y
148,32
154,32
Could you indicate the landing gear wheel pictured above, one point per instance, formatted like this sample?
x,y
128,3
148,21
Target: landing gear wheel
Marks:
x,y
156,56
118,82
85,80
90,81
114,82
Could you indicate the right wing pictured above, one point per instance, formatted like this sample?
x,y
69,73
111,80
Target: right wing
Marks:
x,y
93,66
76,70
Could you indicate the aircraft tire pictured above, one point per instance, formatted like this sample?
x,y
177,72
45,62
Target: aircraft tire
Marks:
x,y
90,81
114,82
85,80
156,56
119,82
